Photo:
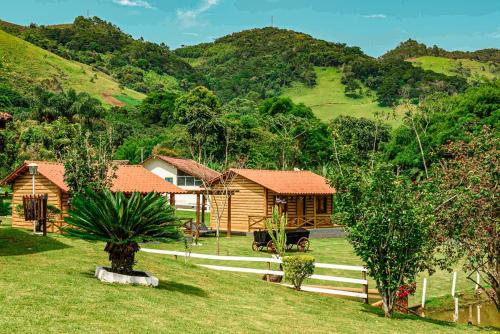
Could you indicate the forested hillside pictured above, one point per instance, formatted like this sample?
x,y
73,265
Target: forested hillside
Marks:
x,y
137,64
24,65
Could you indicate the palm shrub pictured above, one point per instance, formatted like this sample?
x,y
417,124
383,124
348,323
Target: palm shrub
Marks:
x,y
122,222
297,268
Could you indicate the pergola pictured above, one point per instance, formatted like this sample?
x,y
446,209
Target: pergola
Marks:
x,y
201,198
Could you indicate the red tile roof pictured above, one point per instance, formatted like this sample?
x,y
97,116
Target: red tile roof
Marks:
x,y
287,182
128,178
189,166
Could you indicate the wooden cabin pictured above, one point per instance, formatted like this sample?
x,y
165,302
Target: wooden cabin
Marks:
x,y
251,194
50,180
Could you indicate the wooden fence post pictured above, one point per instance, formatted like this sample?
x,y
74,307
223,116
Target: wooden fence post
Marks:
x,y
454,284
365,286
424,290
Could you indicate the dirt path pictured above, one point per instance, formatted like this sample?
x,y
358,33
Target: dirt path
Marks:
x,y
112,100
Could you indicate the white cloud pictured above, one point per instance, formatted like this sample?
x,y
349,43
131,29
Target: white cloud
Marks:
x,y
375,16
189,18
134,3
191,33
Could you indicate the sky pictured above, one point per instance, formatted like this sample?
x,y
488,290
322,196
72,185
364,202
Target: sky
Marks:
x,y
374,25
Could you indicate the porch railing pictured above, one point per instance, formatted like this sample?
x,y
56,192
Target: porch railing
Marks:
x,y
320,221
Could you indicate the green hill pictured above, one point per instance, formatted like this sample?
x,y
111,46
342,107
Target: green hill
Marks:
x,y
261,62
23,64
328,100
468,68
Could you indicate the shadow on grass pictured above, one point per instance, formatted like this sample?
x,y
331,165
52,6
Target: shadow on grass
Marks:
x,y
182,288
169,285
398,316
15,242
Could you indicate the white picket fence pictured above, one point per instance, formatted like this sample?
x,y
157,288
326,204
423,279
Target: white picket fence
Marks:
x,y
362,281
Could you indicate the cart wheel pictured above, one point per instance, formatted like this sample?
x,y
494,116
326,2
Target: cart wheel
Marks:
x,y
255,247
270,247
303,244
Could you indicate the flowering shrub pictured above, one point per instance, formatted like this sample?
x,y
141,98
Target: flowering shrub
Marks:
x,y
406,290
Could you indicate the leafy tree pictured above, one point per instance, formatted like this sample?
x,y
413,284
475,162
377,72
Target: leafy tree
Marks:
x,y
122,222
386,226
87,166
198,110
440,119
464,193
159,108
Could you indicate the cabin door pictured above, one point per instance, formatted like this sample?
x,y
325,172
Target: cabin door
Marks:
x,y
301,207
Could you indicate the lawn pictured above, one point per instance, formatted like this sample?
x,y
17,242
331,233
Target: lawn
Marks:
x,y
327,98
47,286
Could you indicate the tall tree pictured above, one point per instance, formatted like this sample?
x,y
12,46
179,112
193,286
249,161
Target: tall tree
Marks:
x,y
197,110
465,196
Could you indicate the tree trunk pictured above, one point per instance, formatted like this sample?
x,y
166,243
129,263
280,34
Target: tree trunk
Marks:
x,y
388,303
122,257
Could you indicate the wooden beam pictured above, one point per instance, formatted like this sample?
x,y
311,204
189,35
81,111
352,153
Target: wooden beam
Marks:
x,y
315,199
229,216
197,232
172,200
203,203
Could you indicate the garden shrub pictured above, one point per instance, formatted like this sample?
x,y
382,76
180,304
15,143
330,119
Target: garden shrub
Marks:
x,y
297,268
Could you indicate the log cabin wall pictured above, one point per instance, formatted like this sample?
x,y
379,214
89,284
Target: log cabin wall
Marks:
x,y
23,186
249,200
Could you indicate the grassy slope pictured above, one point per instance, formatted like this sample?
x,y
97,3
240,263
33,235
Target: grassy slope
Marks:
x,y
327,98
47,285
448,66
23,62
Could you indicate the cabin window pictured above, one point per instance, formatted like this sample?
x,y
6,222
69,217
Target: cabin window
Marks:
x,y
169,179
188,181
322,205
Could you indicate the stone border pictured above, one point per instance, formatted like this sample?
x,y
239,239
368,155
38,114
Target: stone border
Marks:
x,y
109,277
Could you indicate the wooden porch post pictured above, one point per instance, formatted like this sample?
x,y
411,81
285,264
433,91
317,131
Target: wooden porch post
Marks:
x,y
315,208
172,200
203,203
229,216
197,232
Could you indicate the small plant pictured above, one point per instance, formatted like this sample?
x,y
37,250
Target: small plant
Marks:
x,y
276,228
298,268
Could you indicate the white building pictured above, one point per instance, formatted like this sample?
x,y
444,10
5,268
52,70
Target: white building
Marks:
x,y
185,173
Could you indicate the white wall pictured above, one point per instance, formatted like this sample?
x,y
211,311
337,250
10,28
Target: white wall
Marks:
x,y
164,170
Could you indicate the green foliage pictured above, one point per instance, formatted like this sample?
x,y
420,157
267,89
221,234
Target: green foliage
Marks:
x,y
159,108
386,226
276,228
104,46
198,110
4,207
264,61
297,268
441,119
464,192
122,222
88,167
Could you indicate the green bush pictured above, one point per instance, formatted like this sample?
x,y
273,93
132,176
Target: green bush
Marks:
x,y
297,268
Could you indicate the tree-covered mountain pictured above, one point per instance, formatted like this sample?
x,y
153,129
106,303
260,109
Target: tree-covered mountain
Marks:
x,y
138,64
261,62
